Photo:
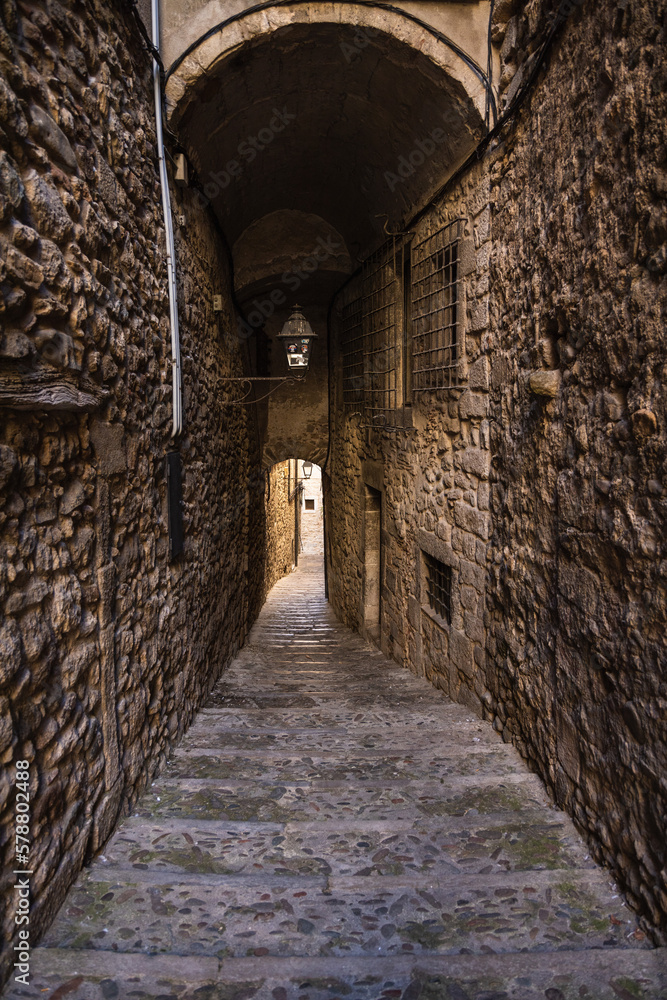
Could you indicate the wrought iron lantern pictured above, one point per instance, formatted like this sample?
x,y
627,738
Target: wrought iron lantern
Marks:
x,y
297,337
307,469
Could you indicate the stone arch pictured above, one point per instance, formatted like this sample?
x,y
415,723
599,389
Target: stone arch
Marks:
x,y
221,40
282,450
278,243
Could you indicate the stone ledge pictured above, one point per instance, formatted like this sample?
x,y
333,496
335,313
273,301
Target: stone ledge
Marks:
x,y
46,388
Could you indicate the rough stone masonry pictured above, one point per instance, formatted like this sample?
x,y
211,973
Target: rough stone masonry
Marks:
x,y
540,479
106,647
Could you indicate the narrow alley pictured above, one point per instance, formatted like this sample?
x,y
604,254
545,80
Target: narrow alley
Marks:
x,y
332,826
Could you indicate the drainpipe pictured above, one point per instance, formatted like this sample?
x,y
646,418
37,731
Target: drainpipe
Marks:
x,y
177,411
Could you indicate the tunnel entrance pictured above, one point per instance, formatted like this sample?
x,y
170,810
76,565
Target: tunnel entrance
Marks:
x,y
312,134
311,536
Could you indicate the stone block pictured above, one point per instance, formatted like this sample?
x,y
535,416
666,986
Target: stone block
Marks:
x,y
108,440
473,404
47,211
479,319
470,574
11,187
51,136
545,383
461,652
476,461
482,226
478,374
474,628
467,258
10,650
472,520
468,597
567,746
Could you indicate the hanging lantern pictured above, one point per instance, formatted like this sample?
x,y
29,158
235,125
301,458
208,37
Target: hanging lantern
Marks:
x,y
297,337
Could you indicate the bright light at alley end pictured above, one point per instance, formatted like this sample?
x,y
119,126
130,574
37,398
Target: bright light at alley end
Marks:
x,y
297,337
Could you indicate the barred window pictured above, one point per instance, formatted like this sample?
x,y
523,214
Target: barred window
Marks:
x,y
435,344
379,303
369,338
438,587
352,336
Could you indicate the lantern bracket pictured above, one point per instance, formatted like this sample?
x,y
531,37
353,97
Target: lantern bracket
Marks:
x,y
248,381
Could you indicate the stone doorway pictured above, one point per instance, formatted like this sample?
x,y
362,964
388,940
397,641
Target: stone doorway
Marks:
x,y
372,562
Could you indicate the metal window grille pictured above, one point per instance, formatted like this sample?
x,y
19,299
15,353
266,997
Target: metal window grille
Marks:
x,y
370,345
435,344
439,587
381,287
352,334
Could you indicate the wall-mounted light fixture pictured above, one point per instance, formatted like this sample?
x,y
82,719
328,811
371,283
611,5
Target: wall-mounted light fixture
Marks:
x,y
297,337
307,469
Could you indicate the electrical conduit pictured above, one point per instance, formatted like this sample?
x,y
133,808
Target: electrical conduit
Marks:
x,y
177,421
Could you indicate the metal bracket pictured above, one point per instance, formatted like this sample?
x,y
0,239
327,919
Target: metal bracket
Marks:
x,y
248,381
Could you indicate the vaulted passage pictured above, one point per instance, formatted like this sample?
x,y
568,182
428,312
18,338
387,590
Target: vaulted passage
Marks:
x,y
308,614
331,826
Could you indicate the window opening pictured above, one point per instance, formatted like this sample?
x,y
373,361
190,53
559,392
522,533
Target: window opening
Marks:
x,y
438,587
435,312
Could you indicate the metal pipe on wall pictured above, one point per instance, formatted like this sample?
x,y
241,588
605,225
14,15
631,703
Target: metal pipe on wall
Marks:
x,y
177,407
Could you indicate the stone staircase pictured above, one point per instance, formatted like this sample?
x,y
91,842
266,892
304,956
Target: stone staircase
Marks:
x,y
331,827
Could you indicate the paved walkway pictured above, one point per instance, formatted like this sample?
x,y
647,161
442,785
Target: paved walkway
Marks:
x,y
332,827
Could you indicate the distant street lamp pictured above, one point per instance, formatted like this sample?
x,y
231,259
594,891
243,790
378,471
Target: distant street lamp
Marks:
x,y
297,337
307,469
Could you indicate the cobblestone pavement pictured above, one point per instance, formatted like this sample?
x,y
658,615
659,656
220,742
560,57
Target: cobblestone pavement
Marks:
x,y
332,827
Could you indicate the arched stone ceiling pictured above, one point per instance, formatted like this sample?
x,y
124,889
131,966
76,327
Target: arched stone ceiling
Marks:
x,y
313,117
291,244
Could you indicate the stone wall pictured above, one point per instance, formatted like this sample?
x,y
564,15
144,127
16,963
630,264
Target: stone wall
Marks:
x,y
280,525
541,481
577,589
106,646
432,469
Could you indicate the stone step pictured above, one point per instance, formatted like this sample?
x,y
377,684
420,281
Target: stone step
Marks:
x,y
272,765
435,714
232,918
487,844
341,742
448,716
314,697
324,687
596,974
316,673
332,827
206,798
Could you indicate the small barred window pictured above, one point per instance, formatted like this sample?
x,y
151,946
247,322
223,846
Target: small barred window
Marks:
x,y
438,587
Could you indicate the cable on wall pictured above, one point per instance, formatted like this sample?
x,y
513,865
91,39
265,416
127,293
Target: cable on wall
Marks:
x,y
177,396
388,8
